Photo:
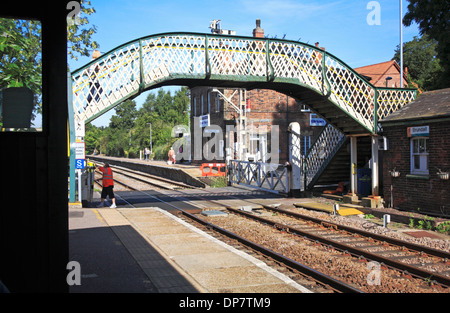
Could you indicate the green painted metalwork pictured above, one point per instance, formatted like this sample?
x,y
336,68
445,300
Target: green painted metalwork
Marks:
x,y
322,81
71,130
231,61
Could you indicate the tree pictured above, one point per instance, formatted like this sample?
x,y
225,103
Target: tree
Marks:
x,y
79,35
20,55
433,18
129,129
21,50
419,55
125,115
92,138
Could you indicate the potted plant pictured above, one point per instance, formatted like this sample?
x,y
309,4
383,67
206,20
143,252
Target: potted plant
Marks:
x,y
395,173
442,175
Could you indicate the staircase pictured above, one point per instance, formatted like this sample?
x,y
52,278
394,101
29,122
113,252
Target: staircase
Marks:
x,y
328,160
338,168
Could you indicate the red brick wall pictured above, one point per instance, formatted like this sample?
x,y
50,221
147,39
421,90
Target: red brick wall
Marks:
x,y
267,105
427,194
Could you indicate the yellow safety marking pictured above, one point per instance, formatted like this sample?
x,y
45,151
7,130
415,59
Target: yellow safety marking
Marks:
x,y
346,212
328,208
99,217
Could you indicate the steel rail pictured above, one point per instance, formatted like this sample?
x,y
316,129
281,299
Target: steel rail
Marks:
x,y
335,284
325,279
180,184
355,251
393,241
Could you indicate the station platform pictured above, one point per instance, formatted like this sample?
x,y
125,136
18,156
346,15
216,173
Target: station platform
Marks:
x,y
148,250
186,173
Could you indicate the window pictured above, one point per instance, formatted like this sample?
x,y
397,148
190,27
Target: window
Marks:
x,y
21,107
209,102
218,103
419,156
201,104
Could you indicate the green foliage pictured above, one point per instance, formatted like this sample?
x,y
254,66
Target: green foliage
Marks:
x,y
218,182
444,227
20,56
79,35
21,50
129,129
433,18
420,56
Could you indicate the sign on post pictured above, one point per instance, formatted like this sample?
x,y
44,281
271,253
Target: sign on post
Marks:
x,y
316,121
204,120
79,164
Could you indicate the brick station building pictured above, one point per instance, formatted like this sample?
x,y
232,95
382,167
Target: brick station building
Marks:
x,y
418,156
261,110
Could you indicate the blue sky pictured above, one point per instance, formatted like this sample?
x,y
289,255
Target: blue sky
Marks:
x,y
338,25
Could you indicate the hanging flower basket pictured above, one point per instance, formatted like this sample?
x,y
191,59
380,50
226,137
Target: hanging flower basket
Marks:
x,y
395,173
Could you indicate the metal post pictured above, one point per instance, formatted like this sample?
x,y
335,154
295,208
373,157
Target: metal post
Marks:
x,y
80,183
375,178
295,157
353,165
71,130
401,44
151,143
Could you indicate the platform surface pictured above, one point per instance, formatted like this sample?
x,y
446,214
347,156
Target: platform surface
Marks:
x,y
155,251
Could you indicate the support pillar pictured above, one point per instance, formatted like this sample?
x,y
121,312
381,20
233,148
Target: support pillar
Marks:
x,y
71,133
295,158
375,163
352,196
374,201
353,164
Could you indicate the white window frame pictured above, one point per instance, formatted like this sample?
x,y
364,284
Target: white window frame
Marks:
x,y
421,156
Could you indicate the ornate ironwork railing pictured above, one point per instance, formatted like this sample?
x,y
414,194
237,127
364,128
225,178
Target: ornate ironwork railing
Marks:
x,y
265,176
322,151
177,58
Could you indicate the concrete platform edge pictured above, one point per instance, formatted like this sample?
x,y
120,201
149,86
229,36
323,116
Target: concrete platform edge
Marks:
x,y
109,221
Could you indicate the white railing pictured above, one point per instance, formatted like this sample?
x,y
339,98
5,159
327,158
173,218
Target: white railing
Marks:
x,y
264,176
321,153
168,58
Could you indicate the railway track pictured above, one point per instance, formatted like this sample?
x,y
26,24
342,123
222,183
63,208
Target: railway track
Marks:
x,y
405,263
147,179
428,264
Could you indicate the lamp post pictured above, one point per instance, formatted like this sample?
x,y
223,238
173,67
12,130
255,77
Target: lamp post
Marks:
x,y
189,137
151,144
387,79
242,126
401,44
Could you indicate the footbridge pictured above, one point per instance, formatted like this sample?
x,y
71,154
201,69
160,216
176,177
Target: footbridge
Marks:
x,y
350,104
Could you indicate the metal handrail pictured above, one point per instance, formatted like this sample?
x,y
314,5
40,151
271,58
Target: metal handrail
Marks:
x,y
163,59
265,176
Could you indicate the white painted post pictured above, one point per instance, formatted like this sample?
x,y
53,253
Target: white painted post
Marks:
x,y
295,158
353,165
375,178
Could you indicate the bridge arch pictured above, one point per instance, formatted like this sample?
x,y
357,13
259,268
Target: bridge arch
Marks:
x,y
350,104
325,83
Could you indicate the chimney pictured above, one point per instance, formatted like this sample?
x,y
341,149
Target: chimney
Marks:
x,y
258,32
317,45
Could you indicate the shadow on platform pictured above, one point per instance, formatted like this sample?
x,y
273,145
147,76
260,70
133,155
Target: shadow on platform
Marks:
x,y
119,260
